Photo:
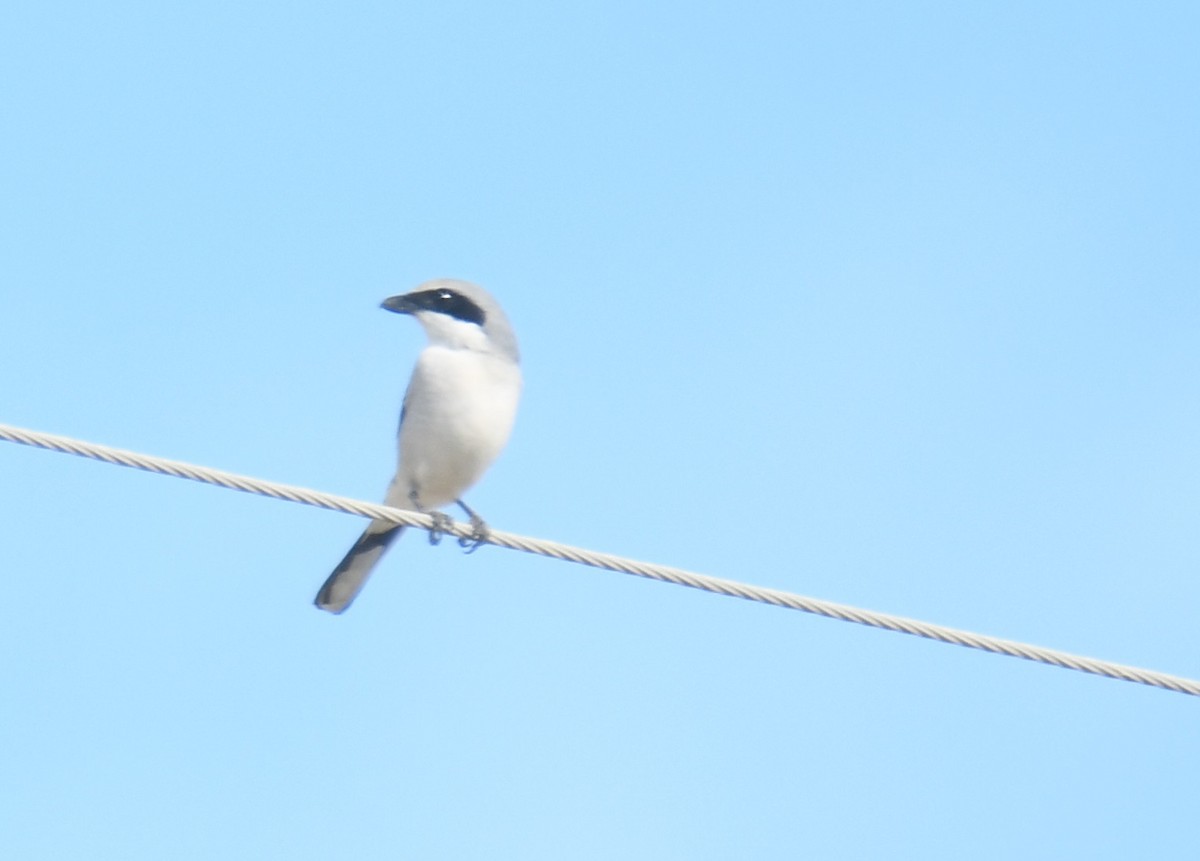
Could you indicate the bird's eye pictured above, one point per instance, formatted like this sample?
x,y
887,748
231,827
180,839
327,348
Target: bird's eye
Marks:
x,y
451,303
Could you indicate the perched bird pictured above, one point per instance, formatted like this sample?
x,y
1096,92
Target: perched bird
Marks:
x,y
457,415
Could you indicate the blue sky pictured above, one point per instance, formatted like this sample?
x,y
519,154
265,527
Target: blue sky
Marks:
x,y
890,304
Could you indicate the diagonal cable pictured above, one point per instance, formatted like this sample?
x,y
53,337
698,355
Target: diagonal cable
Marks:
x,y
606,561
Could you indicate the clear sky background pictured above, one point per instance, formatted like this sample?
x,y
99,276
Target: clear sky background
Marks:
x,y
892,304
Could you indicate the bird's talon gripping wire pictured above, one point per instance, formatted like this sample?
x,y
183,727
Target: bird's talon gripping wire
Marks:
x,y
478,537
479,530
442,523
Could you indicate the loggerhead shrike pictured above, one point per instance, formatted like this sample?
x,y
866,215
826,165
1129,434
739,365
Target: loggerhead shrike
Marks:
x,y
457,416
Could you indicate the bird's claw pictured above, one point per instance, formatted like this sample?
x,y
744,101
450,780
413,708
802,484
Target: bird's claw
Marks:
x,y
442,524
478,537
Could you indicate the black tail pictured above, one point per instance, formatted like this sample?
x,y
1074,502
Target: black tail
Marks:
x,y
352,572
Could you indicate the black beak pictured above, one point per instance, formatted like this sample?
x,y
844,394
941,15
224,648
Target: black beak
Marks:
x,y
400,304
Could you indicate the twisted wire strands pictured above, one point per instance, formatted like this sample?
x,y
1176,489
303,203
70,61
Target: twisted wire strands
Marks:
x,y
605,561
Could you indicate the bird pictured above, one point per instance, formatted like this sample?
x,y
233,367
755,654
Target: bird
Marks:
x,y
457,416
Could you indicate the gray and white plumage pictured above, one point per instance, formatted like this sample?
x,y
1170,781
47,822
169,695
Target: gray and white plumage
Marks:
x,y
457,416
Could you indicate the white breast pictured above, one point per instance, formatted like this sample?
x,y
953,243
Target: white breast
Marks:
x,y
459,412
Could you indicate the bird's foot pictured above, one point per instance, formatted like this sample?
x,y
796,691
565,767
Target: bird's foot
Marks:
x,y
478,537
479,530
442,523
